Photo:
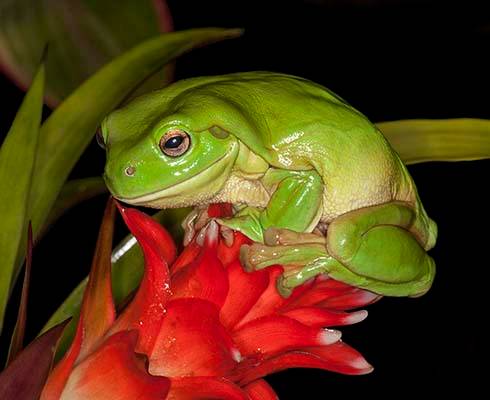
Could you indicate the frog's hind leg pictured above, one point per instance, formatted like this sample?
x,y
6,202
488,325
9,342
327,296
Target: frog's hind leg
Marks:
x,y
301,260
382,246
372,248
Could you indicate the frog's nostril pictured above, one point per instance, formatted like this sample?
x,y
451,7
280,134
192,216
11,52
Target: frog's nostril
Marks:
x,y
129,171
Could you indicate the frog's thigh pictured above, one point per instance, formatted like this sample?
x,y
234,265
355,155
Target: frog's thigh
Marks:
x,y
375,244
295,205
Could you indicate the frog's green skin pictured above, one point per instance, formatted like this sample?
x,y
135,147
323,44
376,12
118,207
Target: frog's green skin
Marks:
x,y
289,154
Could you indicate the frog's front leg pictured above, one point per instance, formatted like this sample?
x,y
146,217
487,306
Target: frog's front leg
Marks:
x,y
296,204
372,248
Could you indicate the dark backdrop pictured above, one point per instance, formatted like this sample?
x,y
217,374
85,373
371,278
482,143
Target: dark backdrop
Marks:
x,y
391,60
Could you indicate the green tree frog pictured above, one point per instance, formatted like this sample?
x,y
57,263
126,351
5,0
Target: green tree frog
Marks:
x,y
314,184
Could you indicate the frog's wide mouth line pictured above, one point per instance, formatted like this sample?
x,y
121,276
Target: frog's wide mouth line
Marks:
x,y
203,178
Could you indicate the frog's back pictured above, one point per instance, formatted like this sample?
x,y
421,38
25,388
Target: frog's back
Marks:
x,y
295,124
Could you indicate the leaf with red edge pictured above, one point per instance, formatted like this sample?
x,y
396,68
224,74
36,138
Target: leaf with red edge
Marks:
x,y
260,390
114,371
244,291
17,340
338,357
192,341
83,35
26,375
98,312
274,334
146,311
205,278
200,388
57,379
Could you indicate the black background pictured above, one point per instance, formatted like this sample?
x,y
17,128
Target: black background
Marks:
x,y
391,60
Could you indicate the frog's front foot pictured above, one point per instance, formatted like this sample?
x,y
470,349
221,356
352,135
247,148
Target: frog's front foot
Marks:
x,y
195,225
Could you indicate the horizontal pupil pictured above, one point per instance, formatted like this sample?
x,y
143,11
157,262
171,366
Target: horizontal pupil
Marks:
x,y
174,142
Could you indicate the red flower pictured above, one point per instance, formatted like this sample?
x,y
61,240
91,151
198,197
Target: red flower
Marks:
x,y
200,327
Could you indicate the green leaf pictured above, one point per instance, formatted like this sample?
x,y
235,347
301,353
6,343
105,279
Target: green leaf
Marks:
x,y
83,35
420,140
17,160
73,193
69,129
17,339
127,270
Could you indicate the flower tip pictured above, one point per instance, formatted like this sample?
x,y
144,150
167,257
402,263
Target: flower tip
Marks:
x,y
208,236
119,206
329,336
356,316
362,366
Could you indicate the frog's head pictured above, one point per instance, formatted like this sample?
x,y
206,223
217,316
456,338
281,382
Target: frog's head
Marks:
x,y
161,158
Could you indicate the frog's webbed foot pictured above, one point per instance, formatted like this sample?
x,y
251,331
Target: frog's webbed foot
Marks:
x,y
195,225
372,248
302,255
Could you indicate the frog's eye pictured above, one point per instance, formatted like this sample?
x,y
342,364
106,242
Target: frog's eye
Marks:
x,y
175,142
100,138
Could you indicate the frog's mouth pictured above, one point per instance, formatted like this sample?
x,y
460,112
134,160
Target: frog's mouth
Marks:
x,y
195,190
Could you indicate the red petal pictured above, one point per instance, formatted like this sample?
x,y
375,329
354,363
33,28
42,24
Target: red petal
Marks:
x,y
143,227
276,333
59,376
146,311
189,254
199,388
329,293
114,372
318,317
230,254
192,341
347,301
338,357
244,291
342,358
220,210
270,300
205,278
260,390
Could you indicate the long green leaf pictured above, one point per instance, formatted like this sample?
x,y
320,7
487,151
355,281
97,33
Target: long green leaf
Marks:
x,y
127,270
17,338
420,140
17,160
70,128
83,35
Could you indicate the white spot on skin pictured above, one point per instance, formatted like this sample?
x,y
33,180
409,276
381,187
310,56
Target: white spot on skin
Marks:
x,y
329,336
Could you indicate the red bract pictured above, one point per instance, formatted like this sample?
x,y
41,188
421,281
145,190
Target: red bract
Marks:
x,y
201,327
